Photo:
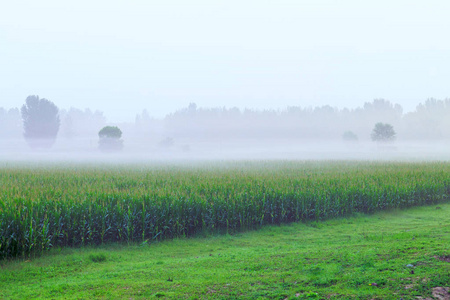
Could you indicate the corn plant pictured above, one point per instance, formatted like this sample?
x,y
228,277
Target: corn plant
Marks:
x,y
75,205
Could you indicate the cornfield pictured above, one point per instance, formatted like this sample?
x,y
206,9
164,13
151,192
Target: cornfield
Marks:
x,y
74,205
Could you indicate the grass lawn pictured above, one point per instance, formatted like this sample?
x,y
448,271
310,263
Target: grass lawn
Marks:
x,y
388,255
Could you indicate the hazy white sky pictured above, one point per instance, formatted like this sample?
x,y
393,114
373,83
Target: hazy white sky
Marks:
x,y
123,56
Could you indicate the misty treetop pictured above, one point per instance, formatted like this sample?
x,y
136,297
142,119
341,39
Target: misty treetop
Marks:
x,y
109,139
112,132
383,133
40,121
81,123
10,123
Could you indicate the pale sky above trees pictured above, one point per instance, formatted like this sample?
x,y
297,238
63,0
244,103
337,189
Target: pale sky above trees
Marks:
x,y
123,56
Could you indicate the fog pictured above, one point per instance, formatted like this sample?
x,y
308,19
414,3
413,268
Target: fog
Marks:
x,y
194,133
84,151
123,56
225,80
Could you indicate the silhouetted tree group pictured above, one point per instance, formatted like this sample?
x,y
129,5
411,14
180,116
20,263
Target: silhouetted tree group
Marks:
x,y
81,123
11,125
40,121
319,123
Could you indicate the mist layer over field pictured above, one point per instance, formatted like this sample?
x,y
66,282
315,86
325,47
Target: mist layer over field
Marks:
x,y
86,150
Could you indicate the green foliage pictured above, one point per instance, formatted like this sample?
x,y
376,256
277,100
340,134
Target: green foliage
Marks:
x,y
310,295
97,257
112,132
40,121
110,139
41,208
383,133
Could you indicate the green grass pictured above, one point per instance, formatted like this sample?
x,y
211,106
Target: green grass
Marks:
x,y
336,259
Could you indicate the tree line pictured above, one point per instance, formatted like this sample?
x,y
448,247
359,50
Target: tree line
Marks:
x,y
430,121
40,122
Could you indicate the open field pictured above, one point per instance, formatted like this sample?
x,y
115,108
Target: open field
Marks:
x,y
45,206
404,252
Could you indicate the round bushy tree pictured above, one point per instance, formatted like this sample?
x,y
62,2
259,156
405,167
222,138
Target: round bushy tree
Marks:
x,y
109,139
383,133
40,122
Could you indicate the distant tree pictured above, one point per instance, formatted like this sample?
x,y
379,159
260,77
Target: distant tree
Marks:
x,y
192,107
349,136
11,124
383,133
40,122
109,139
81,123
110,132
